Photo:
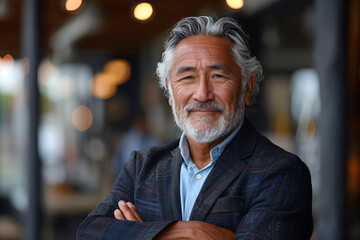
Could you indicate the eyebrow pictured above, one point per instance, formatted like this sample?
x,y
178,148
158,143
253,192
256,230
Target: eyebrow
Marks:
x,y
219,67
215,66
185,69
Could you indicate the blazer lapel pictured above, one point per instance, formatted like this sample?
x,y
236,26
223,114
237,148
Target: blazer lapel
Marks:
x,y
168,186
228,167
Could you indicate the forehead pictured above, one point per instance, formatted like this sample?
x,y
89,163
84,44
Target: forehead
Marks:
x,y
201,47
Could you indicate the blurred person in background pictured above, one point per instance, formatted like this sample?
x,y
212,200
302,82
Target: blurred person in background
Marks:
x,y
221,179
136,138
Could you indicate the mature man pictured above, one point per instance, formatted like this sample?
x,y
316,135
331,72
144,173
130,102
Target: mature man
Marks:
x,y
222,179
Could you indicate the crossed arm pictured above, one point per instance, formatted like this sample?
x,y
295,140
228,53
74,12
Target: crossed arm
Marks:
x,y
177,230
280,207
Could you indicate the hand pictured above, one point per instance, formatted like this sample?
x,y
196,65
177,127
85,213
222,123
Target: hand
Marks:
x,y
194,230
127,211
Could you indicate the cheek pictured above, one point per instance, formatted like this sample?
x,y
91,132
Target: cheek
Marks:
x,y
234,104
175,102
181,94
229,97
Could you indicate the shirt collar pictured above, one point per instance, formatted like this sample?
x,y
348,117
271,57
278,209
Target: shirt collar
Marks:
x,y
214,153
184,148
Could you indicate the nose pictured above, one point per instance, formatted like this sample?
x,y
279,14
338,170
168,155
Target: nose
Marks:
x,y
203,90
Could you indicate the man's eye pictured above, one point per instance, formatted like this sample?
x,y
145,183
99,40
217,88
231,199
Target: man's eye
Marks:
x,y
187,78
217,76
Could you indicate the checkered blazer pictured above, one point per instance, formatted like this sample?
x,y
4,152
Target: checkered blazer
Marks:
x,y
256,189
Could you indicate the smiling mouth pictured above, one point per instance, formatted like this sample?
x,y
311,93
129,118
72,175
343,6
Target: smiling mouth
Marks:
x,y
203,113
204,110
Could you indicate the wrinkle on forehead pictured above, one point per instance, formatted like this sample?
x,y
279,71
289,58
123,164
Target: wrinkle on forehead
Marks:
x,y
212,42
222,67
205,51
187,46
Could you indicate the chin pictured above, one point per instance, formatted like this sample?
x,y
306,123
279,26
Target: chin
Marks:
x,y
202,126
205,132
209,128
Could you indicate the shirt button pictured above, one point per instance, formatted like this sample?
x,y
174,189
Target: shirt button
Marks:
x,y
198,176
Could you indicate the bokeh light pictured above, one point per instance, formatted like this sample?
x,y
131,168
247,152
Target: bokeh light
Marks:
x,y
235,4
143,11
120,69
103,85
46,71
65,87
6,63
82,118
8,58
72,5
10,76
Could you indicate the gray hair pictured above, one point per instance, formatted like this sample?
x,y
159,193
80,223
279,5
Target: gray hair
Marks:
x,y
224,27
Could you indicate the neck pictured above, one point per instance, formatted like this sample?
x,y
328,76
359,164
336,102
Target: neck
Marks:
x,y
200,152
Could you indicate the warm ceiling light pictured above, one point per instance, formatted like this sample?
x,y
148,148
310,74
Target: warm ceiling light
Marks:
x,y
120,69
8,58
72,5
82,118
6,63
235,4
103,85
143,11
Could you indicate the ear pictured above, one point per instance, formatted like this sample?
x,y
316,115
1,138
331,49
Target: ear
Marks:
x,y
249,89
170,100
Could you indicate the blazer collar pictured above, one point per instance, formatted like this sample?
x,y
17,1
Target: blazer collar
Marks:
x,y
227,169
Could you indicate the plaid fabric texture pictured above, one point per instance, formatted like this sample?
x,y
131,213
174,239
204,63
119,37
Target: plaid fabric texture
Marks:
x,y
256,189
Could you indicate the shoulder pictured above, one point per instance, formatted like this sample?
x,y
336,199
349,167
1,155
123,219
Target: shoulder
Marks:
x,y
157,152
274,159
149,157
276,153
267,156
143,164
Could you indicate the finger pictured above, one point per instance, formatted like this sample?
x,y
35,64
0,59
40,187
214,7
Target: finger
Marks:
x,y
127,213
118,215
133,210
174,235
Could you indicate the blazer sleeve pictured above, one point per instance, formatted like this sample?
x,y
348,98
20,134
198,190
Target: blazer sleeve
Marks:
x,y
101,224
281,205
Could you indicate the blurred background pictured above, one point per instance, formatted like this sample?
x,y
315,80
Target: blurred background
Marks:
x,y
78,93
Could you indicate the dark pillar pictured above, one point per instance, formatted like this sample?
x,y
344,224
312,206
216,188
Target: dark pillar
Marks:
x,y
31,50
331,63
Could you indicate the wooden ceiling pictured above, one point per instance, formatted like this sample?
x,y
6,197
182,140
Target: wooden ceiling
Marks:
x,y
117,31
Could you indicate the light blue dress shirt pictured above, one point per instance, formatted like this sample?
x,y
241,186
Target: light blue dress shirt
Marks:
x,y
191,178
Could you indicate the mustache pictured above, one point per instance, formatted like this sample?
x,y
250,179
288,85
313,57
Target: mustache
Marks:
x,y
210,105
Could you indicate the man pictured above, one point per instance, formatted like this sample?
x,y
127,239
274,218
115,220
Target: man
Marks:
x,y
222,179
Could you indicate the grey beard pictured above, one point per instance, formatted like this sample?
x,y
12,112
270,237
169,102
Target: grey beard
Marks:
x,y
208,133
